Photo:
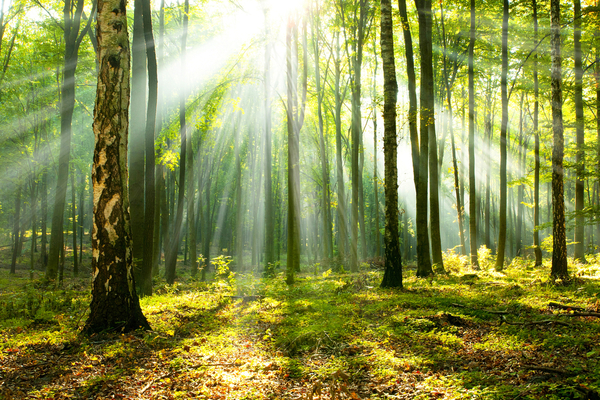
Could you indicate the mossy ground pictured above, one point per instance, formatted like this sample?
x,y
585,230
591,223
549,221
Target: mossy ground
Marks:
x,y
466,335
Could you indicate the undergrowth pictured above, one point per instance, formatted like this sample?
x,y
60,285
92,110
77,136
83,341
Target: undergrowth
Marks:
x,y
472,333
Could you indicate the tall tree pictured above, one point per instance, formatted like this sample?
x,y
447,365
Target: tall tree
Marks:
x,y
73,36
150,192
536,148
503,140
269,210
115,304
295,120
171,260
472,182
393,264
579,250
139,84
559,268
427,156
423,257
326,198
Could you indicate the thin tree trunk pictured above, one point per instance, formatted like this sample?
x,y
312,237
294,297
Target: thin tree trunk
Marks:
x,y
16,229
341,191
73,38
171,263
375,188
503,141
139,83
74,215
579,250
269,212
519,213
472,182
393,264
424,267
536,151
559,249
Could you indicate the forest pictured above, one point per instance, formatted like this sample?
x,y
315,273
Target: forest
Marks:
x,y
300,199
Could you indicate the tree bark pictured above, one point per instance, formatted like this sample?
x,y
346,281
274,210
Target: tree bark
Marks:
x,y
73,38
424,267
503,141
171,263
393,263
536,150
341,189
559,268
472,182
269,211
579,250
74,216
16,229
115,305
139,81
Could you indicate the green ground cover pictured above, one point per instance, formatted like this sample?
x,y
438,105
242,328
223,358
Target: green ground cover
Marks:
x,y
466,335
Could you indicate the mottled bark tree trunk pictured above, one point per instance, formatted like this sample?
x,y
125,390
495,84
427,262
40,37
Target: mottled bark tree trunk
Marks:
x,y
16,229
115,305
392,276
559,268
342,226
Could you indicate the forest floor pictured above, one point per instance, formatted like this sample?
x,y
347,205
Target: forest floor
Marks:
x,y
466,335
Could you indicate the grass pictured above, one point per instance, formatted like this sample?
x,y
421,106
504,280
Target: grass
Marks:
x,y
465,335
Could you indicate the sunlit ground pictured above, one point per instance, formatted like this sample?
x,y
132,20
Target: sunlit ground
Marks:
x,y
471,334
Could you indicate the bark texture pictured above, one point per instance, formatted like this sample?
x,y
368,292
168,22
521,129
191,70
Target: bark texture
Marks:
x,y
393,263
115,305
559,248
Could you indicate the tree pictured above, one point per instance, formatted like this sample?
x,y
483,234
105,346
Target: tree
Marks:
x,y
150,192
503,140
536,147
115,305
73,37
472,184
559,248
579,251
171,259
393,263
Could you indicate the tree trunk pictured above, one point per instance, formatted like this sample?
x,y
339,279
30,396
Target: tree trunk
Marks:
x,y
16,229
136,138
423,259
73,38
519,213
559,248
536,150
74,215
171,263
424,267
44,206
115,305
503,141
375,184
393,263
293,239
269,212
239,218
326,198
472,182
341,189
579,250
